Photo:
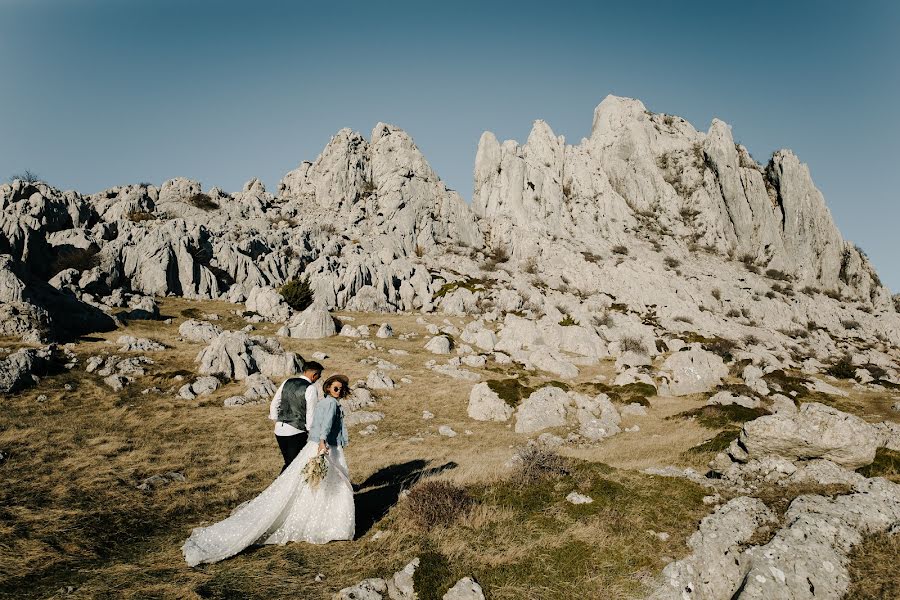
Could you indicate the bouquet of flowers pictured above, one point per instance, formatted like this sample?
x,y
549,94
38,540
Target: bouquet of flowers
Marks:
x,y
315,470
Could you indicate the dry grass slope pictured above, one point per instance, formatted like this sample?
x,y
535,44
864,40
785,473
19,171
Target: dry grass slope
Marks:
x,y
70,513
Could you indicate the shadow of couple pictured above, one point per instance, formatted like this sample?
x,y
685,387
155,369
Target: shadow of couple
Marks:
x,y
380,491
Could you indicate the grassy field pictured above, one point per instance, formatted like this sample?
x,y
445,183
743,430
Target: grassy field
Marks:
x,y
73,523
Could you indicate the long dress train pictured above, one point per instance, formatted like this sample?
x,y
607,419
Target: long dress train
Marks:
x,y
288,510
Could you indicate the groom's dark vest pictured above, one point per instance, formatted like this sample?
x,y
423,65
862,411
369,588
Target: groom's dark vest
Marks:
x,y
292,409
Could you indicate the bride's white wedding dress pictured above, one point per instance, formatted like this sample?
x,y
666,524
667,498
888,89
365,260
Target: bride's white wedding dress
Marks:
x,y
289,510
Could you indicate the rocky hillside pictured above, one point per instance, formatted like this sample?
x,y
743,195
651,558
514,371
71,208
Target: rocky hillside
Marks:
x,y
647,226
645,342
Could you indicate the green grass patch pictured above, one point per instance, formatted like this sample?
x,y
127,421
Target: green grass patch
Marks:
x,y
433,576
473,285
717,444
512,391
718,417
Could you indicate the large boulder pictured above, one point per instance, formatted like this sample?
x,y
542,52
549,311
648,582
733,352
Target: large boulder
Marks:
x,y
486,405
193,330
815,431
312,324
17,369
268,303
237,355
543,409
693,371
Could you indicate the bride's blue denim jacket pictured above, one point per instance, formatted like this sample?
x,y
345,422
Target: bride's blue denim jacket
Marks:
x,y
328,423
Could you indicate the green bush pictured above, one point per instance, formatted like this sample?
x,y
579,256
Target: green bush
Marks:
x,y
512,391
203,201
297,293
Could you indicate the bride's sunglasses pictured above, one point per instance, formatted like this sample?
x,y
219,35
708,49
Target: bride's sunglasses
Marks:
x,y
337,388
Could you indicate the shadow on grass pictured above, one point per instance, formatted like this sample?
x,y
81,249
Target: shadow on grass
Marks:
x,y
380,491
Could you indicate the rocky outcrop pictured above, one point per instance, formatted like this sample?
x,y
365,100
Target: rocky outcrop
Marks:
x,y
237,355
312,324
815,431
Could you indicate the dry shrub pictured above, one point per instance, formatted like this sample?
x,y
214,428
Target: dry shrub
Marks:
x,y
620,249
632,344
432,503
203,202
537,462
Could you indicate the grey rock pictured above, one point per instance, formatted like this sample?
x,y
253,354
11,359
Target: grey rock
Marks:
x,y
465,589
486,405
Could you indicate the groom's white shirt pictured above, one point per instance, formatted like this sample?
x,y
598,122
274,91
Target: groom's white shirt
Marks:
x,y
312,396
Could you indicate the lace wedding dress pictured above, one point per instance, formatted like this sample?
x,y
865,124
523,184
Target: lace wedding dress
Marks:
x,y
289,510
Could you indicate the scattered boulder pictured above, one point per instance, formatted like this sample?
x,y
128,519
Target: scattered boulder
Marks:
x,y
193,330
543,409
268,303
486,405
312,324
385,331
379,380
129,343
725,398
693,371
156,481
439,344
465,589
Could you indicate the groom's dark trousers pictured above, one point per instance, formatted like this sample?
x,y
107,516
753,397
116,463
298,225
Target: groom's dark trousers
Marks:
x,y
290,446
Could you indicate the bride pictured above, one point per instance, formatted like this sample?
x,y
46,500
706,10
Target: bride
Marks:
x,y
291,509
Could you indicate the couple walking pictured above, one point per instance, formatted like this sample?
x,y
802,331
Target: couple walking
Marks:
x,y
291,508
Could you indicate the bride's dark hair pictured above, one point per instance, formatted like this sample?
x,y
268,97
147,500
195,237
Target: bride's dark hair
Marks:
x,y
340,378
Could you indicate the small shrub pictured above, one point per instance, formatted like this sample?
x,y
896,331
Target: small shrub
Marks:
x,y
136,216
568,321
750,340
688,214
591,257
671,263
717,417
809,290
776,274
203,202
537,463
567,190
620,250
722,347
850,323
603,319
297,294
833,294
842,368
683,319
530,265
27,176
433,503
716,293
632,344
733,312
192,313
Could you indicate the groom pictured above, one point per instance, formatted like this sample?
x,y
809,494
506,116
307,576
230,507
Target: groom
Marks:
x,y
295,411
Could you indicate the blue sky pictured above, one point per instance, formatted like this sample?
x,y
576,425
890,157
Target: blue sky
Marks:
x,y
97,93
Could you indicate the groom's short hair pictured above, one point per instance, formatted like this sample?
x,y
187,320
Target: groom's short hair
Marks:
x,y
313,366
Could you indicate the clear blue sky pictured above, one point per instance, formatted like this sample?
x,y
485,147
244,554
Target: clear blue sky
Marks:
x,y
96,93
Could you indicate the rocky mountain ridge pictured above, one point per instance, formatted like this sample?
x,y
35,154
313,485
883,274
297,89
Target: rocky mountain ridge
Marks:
x,y
646,226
